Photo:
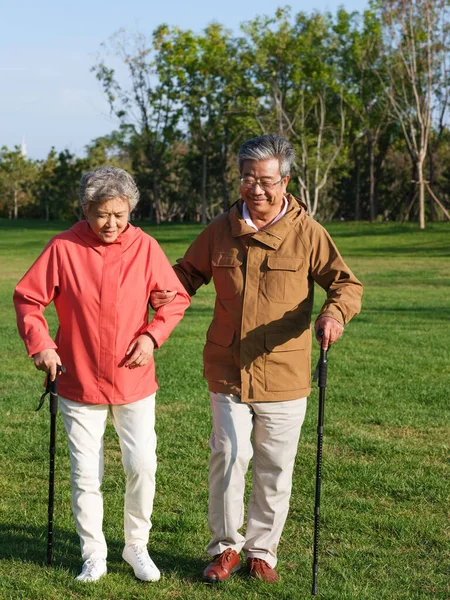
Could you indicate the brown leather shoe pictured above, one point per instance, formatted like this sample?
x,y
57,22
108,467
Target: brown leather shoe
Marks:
x,y
260,569
222,565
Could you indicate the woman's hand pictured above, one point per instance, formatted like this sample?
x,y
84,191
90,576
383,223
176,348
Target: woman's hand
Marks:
x,y
141,351
48,361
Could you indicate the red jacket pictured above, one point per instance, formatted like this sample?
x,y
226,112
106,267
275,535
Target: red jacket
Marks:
x,y
101,294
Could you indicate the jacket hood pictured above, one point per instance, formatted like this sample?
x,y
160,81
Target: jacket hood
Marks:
x,y
83,231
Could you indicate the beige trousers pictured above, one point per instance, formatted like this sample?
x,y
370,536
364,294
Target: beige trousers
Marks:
x,y
85,426
276,430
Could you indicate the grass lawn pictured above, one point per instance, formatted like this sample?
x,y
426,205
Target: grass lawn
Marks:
x,y
386,480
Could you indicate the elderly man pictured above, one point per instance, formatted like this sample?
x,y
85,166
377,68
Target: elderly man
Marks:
x,y
264,256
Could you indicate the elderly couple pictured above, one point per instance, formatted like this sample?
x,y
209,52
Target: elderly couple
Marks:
x,y
264,255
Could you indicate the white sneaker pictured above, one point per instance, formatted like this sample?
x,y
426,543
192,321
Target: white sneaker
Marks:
x,y
138,557
93,569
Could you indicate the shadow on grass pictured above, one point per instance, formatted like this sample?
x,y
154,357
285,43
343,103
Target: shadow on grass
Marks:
x,y
423,312
394,251
362,229
29,544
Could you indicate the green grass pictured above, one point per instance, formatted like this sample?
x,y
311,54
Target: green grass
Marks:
x,y
385,492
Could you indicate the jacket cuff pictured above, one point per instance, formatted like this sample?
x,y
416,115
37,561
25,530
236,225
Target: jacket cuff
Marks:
x,y
34,345
334,313
157,338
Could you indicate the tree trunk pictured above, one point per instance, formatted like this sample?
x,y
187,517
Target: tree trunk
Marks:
x,y
357,183
225,191
433,211
372,207
421,194
412,189
16,203
204,183
156,201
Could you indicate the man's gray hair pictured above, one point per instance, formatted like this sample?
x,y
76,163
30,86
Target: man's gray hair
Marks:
x,y
265,147
106,183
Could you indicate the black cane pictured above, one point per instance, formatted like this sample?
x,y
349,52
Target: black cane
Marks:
x,y
321,375
52,390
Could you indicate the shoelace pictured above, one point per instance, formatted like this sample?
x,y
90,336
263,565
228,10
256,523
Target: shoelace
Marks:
x,y
225,556
142,556
259,561
90,565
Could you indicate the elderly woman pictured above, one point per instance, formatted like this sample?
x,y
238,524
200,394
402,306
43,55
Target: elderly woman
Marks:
x,y
100,274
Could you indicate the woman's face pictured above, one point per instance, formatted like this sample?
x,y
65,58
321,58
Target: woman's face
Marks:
x,y
108,219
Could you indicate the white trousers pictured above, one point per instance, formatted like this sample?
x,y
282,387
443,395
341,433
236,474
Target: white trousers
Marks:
x,y
85,426
276,430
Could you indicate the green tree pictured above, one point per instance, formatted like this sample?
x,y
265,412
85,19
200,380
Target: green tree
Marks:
x,y
148,110
413,33
360,58
210,81
17,174
300,97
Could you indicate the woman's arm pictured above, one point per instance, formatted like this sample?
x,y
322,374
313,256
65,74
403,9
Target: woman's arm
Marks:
x,y
163,278
33,293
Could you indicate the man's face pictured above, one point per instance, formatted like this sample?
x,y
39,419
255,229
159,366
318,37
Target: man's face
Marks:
x,y
263,204
108,219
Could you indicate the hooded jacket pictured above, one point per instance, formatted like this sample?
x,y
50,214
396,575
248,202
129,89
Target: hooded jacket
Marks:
x,y
259,342
101,293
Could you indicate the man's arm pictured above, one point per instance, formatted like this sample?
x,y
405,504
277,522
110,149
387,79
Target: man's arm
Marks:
x,y
344,290
193,270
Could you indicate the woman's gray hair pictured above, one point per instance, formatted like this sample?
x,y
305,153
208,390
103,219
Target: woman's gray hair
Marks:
x,y
265,147
106,183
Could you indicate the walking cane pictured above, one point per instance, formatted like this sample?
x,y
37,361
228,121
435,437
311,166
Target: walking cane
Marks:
x,y
52,390
320,375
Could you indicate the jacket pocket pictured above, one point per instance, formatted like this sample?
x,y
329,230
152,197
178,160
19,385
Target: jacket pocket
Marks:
x,y
287,362
283,278
219,363
227,275
220,334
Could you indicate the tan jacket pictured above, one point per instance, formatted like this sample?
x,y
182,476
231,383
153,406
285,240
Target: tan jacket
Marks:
x,y
259,342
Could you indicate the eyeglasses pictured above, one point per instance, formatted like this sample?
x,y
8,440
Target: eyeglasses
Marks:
x,y
249,182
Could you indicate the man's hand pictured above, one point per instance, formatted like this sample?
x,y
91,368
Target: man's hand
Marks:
x,y
332,331
159,298
140,351
48,361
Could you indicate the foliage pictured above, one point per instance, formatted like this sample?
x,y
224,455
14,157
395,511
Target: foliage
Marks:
x,y
17,174
355,93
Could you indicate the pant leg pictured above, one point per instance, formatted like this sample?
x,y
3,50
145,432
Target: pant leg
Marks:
x,y
135,426
276,432
85,426
231,452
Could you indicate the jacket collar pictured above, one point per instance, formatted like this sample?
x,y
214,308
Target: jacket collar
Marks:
x,y
83,230
274,234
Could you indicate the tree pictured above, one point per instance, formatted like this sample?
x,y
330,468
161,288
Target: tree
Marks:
x,y
148,111
210,82
413,33
300,96
359,54
17,174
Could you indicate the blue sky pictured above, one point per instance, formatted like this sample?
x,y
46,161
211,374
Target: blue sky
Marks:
x,y
48,94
